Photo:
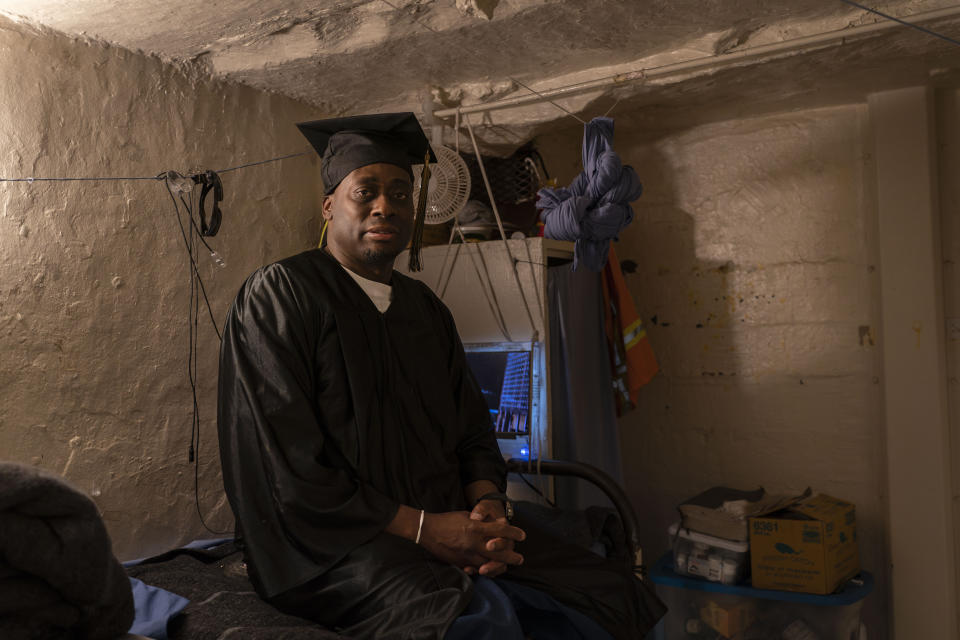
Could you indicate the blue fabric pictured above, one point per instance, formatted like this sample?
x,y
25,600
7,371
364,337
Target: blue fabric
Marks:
x,y
154,608
205,543
503,610
596,206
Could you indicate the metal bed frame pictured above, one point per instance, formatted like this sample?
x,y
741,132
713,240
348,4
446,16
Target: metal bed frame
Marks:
x,y
600,479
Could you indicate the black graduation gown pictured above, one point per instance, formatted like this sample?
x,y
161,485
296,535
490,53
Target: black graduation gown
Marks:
x,y
331,415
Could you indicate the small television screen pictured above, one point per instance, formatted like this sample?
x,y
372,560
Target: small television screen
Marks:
x,y
504,378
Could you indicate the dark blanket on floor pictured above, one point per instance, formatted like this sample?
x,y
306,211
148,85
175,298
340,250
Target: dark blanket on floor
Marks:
x,y
223,603
222,600
58,576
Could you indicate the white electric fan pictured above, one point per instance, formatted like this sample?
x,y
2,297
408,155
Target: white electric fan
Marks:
x,y
448,187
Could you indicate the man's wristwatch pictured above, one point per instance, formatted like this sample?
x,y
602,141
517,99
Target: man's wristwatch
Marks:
x,y
502,497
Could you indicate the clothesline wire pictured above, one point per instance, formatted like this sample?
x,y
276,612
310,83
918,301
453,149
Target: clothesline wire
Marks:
x,y
614,106
160,176
259,162
86,179
912,25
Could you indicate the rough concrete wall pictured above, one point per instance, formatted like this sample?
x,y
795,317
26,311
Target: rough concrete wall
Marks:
x,y
93,276
755,254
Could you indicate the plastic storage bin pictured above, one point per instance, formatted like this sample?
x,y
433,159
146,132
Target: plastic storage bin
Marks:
x,y
716,559
704,610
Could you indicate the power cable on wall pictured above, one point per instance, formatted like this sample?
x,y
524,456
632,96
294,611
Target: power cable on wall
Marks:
x,y
192,237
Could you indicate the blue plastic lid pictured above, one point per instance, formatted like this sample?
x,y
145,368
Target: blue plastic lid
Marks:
x,y
855,590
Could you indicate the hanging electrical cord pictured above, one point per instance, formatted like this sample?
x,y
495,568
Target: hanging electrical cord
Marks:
x,y
492,303
192,236
182,183
441,290
538,491
456,228
494,306
453,229
533,279
481,271
503,235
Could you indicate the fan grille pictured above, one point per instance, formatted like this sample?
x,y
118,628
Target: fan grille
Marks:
x,y
448,188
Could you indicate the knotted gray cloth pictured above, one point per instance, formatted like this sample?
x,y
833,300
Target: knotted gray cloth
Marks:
x,y
596,206
58,575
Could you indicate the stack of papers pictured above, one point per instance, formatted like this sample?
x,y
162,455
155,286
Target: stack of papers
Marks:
x,y
723,512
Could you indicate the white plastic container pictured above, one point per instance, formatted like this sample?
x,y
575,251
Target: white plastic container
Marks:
x,y
716,559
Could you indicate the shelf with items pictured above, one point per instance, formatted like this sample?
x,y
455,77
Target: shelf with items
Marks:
x,y
704,609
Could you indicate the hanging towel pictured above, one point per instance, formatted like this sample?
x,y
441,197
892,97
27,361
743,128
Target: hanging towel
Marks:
x,y
631,356
596,206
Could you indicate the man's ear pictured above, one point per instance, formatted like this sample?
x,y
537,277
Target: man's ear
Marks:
x,y
327,207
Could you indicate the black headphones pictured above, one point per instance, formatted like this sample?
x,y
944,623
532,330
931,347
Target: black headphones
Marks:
x,y
211,182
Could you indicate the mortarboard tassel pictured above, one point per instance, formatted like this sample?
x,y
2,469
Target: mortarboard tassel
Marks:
x,y
421,214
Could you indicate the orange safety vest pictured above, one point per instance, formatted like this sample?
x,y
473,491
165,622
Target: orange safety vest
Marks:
x,y
631,356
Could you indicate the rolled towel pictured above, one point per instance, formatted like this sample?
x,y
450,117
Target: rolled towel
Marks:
x,y
58,575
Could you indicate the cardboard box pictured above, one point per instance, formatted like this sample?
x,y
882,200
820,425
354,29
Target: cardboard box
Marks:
x,y
729,619
810,546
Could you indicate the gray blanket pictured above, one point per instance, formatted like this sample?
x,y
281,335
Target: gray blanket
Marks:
x,y
58,576
223,603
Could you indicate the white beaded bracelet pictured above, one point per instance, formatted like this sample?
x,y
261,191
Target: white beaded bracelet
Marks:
x,y
420,527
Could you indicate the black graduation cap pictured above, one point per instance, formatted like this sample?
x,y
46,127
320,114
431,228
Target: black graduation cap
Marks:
x,y
345,144
349,143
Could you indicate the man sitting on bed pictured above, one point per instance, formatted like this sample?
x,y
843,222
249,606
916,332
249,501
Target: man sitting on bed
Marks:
x,y
357,449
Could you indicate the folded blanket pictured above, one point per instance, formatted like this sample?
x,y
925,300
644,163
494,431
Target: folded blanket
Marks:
x,y
58,576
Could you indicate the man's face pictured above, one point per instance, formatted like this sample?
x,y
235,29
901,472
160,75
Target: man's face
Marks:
x,y
371,217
